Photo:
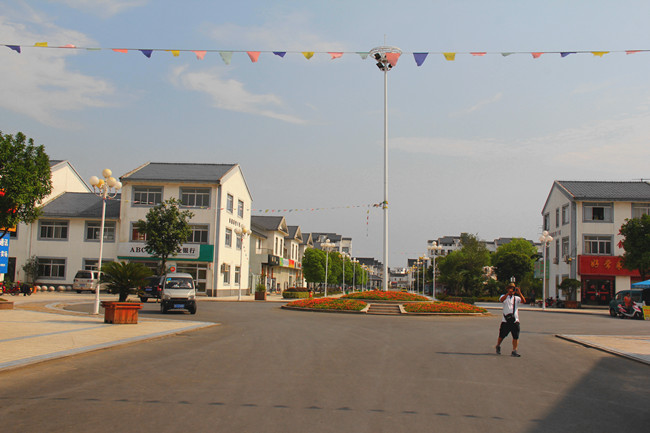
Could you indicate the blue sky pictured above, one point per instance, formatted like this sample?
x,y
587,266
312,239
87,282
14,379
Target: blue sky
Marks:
x,y
474,143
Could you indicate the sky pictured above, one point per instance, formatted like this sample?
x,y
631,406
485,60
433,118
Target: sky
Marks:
x,y
474,143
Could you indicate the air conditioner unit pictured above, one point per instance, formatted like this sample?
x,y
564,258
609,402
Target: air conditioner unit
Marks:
x,y
556,261
568,259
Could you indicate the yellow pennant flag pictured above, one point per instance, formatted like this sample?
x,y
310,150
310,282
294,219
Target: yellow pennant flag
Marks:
x,y
599,53
40,44
450,56
176,53
308,54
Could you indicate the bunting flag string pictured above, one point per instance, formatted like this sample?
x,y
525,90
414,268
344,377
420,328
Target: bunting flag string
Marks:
x,y
315,209
254,56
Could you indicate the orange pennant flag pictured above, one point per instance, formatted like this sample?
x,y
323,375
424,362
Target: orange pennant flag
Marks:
x,y
335,55
120,50
482,53
199,54
254,55
536,55
393,58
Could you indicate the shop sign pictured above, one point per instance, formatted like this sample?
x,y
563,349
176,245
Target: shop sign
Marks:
x,y
604,265
4,253
133,249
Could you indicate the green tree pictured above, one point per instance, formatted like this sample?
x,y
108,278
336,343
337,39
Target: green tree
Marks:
x,y
122,277
25,180
636,242
462,271
30,268
166,228
313,265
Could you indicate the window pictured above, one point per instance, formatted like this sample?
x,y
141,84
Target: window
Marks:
x,y
239,241
230,203
237,274
195,197
565,215
639,209
597,212
557,217
51,268
240,209
93,228
91,264
136,236
53,230
147,195
229,237
557,248
565,247
598,245
226,274
199,234
547,222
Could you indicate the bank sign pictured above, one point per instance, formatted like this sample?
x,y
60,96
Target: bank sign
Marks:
x,y
4,253
136,249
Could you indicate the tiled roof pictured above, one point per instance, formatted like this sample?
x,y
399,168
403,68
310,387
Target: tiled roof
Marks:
x,y
267,222
179,172
81,205
618,191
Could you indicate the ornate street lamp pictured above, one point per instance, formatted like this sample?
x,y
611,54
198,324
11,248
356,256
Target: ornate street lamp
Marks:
x,y
242,233
386,58
545,239
355,262
327,246
435,249
106,189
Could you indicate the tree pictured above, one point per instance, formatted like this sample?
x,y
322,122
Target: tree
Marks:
x,y
462,271
569,287
25,180
30,268
166,229
313,265
122,277
636,242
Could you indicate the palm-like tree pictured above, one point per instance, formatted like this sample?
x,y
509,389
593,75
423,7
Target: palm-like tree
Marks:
x,y
122,277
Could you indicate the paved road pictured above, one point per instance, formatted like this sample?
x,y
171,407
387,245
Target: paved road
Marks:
x,y
271,370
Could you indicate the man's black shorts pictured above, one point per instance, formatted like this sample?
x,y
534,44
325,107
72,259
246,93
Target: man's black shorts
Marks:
x,y
506,328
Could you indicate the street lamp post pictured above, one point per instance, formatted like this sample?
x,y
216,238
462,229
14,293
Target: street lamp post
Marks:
x,y
435,249
545,239
354,274
343,256
386,58
327,246
241,234
106,189
424,267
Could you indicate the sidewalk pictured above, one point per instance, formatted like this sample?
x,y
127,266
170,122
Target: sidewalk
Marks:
x,y
38,329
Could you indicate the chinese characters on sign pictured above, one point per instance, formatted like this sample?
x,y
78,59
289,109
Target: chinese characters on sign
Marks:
x,y
603,265
4,253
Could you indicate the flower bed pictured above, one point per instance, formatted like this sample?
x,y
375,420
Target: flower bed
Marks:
x,y
329,304
378,295
443,307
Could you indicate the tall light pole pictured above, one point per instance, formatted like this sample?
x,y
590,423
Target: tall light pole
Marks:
x,y
354,274
386,58
343,256
241,234
435,249
545,239
327,246
424,267
106,189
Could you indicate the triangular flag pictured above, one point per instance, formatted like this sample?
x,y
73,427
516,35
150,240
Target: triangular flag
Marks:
x,y
226,56
280,53
566,53
147,53
364,56
254,55
393,58
40,44
506,54
480,53
419,58
536,55
308,54
16,48
93,49
335,55
632,51
201,54
450,56
176,53
120,50
599,53
68,46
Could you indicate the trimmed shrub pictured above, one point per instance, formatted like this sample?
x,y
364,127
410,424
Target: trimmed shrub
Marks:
x,y
294,295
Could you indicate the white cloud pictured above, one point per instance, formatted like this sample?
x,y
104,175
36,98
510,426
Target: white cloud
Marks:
x,y
103,8
229,94
39,83
479,105
483,148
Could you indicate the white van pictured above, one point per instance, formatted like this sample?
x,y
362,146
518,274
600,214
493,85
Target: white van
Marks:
x,y
177,293
85,281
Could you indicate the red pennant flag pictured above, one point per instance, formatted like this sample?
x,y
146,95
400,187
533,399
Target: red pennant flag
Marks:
x,y
479,53
254,55
536,55
392,58
119,50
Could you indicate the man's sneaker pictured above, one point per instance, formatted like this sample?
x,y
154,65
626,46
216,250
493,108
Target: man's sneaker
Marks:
x,y
515,354
498,350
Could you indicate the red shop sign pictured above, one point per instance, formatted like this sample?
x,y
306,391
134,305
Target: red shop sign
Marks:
x,y
604,265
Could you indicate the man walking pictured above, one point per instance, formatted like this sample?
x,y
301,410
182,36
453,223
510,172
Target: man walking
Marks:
x,y
510,319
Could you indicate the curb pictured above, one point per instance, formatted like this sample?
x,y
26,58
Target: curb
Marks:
x,y
578,340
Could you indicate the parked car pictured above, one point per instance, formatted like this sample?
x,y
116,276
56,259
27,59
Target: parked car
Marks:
x,y
178,293
151,289
85,280
635,294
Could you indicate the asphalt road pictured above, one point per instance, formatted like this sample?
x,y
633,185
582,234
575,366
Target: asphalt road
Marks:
x,y
270,370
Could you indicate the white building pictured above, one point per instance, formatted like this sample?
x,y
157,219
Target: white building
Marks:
x,y
584,218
